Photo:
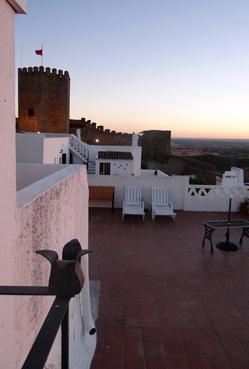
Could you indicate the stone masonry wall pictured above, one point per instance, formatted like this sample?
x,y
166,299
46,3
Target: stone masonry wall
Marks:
x,y
90,132
44,100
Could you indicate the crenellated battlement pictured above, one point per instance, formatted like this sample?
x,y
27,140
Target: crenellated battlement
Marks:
x,y
90,131
50,72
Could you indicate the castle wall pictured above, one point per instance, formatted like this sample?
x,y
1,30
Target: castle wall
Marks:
x,y
90,132
44,100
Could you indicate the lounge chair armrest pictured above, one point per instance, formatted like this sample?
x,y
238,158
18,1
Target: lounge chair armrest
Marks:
x,y
171,205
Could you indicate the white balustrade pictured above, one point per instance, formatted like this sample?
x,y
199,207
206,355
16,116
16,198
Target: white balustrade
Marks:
x,y
78,147
214,198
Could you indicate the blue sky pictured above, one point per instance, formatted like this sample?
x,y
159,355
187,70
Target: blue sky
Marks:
x,y
138,64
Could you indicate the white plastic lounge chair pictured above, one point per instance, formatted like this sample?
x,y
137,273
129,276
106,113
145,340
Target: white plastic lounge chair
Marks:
x,y
133,203
161,204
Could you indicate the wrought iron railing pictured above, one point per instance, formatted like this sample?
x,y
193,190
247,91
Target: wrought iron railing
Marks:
x,y
65,281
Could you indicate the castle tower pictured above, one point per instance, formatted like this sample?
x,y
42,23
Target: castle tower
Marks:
x,y
155,144
43,100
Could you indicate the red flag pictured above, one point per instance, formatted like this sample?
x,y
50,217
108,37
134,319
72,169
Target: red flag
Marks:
x,y
39,52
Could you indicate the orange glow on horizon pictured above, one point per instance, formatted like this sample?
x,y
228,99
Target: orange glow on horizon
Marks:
x,y
179,129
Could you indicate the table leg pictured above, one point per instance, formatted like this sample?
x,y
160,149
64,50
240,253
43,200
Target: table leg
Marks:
x,y
208,236
245,233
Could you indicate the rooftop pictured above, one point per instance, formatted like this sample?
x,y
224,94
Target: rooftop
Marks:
x,y
115,155
166,303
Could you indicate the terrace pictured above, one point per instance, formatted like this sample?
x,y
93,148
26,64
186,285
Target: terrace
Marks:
x,y
166,303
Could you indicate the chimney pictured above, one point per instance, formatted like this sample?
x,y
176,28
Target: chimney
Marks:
x,y
134,139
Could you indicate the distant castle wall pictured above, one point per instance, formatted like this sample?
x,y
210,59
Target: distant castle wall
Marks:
x,y
90,132
43,100
154,143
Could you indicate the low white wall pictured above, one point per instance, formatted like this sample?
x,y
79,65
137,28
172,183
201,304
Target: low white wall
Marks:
x,y
153,172
26,174
162,174
213,198
147,172
176,187
51,212
184,196
29,147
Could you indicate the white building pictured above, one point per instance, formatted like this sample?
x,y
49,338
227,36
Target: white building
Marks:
x,y
233,177
36,213
48,148
42,148
117,166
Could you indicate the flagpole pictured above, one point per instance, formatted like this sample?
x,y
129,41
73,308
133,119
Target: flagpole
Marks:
x,y
21,53
42,56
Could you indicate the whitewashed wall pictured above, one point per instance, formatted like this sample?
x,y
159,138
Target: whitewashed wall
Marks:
x,y
41,148
214,198
53,149
29,147
8,181
26,174
50,213
184,196
117,167
153,172
19,5
137,158
176,187
135,150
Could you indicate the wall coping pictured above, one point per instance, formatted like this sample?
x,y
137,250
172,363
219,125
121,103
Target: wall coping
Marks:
x,y
31,192
19,6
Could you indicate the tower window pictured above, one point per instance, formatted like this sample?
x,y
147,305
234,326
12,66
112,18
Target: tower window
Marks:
x,y
31,112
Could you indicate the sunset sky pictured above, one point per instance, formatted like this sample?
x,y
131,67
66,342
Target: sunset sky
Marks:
x,y
147,64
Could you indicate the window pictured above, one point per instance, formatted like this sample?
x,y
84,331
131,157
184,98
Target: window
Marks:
x,y
104,168
31,112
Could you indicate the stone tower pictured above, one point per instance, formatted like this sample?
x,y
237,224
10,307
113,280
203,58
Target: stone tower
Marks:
x,y
156,144
43,100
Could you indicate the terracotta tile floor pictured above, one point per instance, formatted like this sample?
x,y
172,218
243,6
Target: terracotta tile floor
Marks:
x,y
166,303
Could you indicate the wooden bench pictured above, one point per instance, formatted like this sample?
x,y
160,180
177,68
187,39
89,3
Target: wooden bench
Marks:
x,y
101,196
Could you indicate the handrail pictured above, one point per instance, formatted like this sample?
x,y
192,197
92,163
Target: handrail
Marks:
x,y
79,147
39,352
65,281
